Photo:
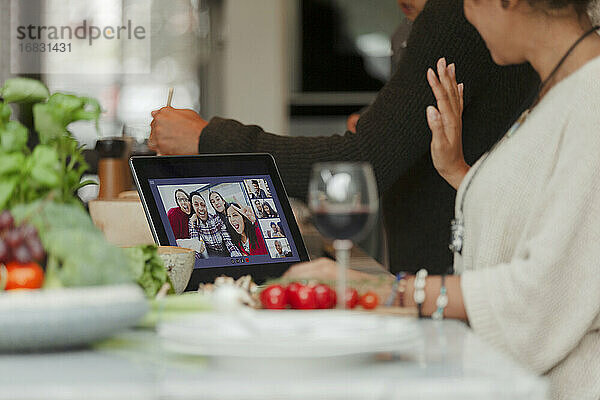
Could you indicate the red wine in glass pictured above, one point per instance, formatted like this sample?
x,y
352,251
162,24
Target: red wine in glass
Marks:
x,y
342,225
343,200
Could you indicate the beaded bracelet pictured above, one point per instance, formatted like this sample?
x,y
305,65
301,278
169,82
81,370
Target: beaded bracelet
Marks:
x,y
419,293
395,290
441,302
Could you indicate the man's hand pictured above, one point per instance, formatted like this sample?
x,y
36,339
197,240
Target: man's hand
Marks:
x,y
175,131
352,121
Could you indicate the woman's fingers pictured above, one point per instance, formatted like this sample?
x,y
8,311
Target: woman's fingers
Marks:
x,y
245,211
448,97
434,121
239,210
461,90
446,111
249,214
439,142
445,123
449,81
445,78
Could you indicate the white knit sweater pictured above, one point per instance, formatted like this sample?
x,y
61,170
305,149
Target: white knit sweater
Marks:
x,y
530,263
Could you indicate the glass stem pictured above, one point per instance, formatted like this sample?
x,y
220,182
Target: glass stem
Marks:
x,y
342,256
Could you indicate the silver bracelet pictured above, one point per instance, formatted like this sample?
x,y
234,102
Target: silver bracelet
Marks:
x,y
419,293
441,302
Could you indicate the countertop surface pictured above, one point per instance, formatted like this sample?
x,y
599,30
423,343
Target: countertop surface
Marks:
x,y
449,362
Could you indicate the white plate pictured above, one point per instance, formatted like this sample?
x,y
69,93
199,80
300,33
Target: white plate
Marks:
x,y
288,334
61,318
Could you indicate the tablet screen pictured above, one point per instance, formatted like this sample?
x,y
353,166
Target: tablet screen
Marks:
x,y
227,220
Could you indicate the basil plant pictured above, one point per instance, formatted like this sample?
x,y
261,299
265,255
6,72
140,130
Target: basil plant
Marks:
x,y
54,167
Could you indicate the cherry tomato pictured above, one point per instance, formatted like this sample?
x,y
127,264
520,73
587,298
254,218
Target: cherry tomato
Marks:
x,y
325,296
369,300
351,297
302,297
274,297
24,276
292,293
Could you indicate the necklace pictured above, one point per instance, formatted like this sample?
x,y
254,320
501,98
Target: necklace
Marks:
x,y
457,226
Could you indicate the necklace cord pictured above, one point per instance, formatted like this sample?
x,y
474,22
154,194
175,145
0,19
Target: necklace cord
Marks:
x,y
563,59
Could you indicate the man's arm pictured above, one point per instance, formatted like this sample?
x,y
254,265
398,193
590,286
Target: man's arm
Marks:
x,y
393,134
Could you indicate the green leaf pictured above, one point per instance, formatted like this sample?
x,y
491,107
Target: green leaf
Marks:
x,y
7,187
45,168
52,118
147,268
24,90
13,137
11,163
48,122
90,111
67,102
5,113
136,260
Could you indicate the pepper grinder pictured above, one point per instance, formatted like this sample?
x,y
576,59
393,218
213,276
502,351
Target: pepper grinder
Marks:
x,y
113,170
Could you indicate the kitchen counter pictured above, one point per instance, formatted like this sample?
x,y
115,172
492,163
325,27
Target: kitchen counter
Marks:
x,y
450,362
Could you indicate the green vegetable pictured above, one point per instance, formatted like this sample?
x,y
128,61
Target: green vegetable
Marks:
x,y
11,163
78,253
45,166
24,90
53,117
5,112
40,185
147,268
14,136
55,167
7,188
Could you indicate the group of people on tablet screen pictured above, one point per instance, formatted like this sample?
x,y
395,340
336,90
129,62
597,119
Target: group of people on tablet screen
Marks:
x,y
234,229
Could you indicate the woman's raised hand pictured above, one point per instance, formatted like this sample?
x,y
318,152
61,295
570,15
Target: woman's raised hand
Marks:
x,y
247,212
445,123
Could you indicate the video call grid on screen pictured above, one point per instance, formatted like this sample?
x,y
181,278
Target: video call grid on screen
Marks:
x,y
273,228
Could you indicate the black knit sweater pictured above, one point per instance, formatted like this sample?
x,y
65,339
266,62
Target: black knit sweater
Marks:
x,y
394,137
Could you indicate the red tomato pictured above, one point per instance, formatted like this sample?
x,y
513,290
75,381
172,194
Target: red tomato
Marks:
x,y
292,293
24,276
273,297
301,297
351,297
325,296
369,300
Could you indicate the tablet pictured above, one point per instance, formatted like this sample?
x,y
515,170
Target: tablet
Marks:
x,y
231,209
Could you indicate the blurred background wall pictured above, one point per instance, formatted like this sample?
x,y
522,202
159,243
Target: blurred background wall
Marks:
x,y
239,58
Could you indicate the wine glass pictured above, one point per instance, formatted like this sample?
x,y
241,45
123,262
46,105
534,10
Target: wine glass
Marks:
x,y
342,197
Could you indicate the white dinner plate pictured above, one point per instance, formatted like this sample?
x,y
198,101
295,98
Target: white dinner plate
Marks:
x,y
288,334
61,318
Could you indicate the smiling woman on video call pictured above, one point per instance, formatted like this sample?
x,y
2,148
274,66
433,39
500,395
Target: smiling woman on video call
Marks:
x,y
527,217
245,233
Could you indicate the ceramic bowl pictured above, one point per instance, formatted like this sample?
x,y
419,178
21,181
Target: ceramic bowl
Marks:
x,y
53,319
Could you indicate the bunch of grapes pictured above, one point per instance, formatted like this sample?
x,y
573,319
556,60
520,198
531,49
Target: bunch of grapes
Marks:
x,y
19,243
